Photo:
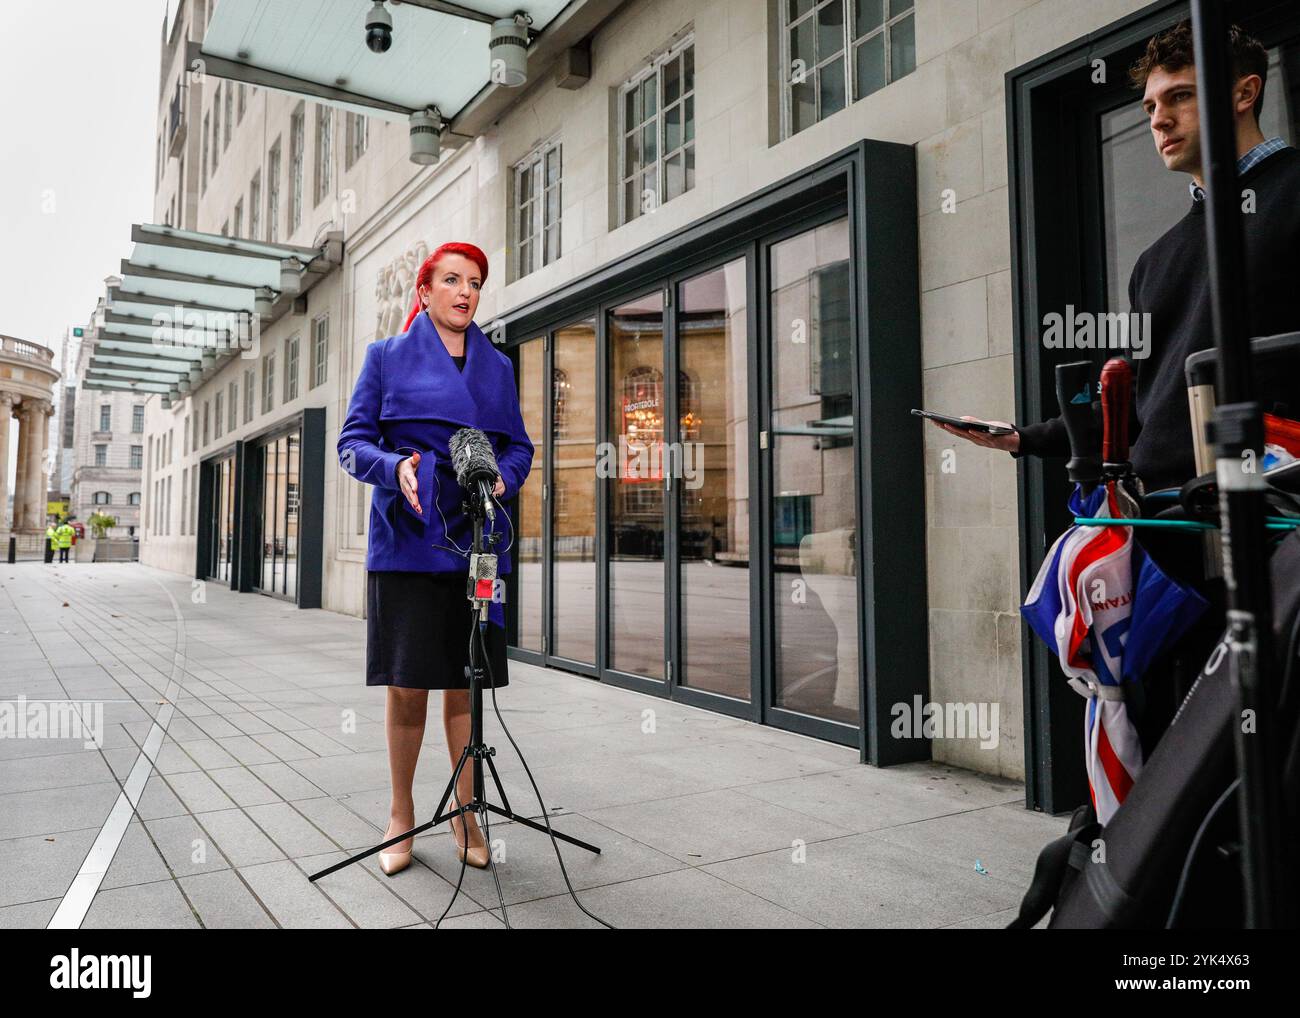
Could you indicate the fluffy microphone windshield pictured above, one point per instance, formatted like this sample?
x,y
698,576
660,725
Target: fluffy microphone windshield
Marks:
x,y
472,456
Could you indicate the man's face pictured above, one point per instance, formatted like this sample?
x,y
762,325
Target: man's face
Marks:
x,y
1170,105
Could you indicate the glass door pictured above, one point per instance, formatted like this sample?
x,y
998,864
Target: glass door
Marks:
x,y
710,478
813,533
573,494
277,469
528,546
634,472
292,442
269,530
217,528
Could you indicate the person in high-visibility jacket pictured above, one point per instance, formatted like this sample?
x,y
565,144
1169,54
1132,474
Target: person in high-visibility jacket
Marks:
x,y
51,542
64,535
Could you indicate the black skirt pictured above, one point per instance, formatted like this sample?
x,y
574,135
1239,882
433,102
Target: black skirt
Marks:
x,y
417,633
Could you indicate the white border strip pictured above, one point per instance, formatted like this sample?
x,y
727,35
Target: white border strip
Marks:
x,y
85,885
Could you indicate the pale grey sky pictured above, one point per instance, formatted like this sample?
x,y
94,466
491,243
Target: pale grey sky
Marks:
x,y
78,111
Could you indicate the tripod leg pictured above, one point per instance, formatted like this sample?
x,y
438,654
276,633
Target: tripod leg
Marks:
x,y
496,780
539,827
438,818
451,787
377,848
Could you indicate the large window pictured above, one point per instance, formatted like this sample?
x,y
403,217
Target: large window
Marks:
x,y
233,403
835,52
219,418
324,151
291,346
230,110
101,455
216,128
537,208
268,382
255,207
137,457
656,155
320,336
273,193
203,156
105,417
297,141
137,419
249,390
358,138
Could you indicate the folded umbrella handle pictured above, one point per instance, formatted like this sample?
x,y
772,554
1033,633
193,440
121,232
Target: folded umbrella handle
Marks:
x,y
1116,395
1074,384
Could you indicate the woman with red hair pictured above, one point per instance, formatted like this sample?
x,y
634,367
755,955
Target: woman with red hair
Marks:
x,y
413,392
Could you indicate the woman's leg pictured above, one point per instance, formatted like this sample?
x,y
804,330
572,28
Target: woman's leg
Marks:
x,y
456,722
404,724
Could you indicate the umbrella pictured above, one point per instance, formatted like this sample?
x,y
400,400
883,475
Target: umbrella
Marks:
x,y
1108,611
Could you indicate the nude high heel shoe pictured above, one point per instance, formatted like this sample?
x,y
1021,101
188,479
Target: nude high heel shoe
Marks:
x,y
393,862
475,855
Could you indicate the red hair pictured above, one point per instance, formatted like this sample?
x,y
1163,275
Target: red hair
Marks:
x,y
425,276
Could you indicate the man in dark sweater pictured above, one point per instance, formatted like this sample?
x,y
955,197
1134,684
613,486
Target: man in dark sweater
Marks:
x,y
1170,280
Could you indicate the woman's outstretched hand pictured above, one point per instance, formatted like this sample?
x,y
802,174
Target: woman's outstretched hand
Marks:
x,y
499,488
407,482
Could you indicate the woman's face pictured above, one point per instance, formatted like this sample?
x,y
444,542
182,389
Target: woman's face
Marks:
x,y
452,296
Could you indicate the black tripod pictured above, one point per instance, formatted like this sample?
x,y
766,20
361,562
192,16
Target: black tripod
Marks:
x,y
482,584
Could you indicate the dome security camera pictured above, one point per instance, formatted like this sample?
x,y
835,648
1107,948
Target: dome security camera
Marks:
x,y
379,28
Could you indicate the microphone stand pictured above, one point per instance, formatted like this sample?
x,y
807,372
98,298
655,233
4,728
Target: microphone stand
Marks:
x,y
481,583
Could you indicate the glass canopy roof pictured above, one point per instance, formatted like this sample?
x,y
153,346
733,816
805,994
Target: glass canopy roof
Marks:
x,y
439,52
187,300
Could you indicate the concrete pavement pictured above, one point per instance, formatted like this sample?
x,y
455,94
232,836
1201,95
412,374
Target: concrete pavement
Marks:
x,y
241,751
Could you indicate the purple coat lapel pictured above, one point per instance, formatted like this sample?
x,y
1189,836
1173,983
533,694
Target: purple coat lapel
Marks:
x,y
422,382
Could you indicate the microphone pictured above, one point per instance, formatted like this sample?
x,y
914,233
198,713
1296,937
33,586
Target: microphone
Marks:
x,y
476,465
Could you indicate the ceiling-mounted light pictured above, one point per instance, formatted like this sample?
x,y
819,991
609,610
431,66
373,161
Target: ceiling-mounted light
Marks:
x,y
290,275
508,51
379,28
263,299
426,144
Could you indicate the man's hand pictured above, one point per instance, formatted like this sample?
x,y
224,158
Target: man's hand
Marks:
x,y
407,482
1007,443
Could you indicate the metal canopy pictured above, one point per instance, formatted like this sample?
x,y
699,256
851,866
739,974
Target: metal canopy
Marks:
x,y
317,48
186,300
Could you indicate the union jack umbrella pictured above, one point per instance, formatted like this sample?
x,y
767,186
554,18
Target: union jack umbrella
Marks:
x,y
1108,611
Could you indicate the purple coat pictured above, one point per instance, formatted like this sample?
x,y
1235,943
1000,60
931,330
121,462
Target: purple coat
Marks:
x,y
410,397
